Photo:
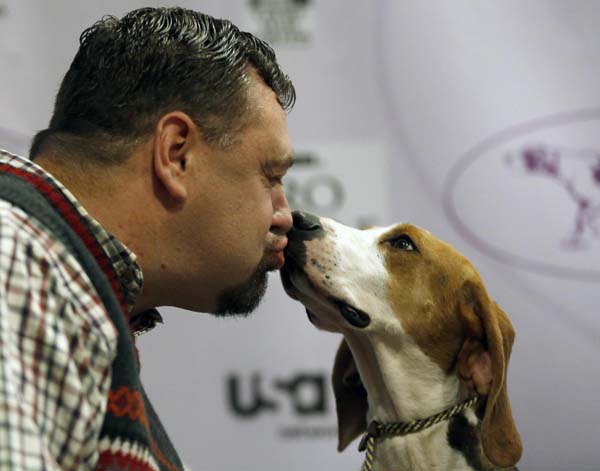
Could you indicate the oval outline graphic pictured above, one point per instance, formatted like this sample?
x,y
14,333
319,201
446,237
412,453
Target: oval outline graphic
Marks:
x,y
501,137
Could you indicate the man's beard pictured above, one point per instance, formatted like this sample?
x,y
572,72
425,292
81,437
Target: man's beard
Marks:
x,y
244,298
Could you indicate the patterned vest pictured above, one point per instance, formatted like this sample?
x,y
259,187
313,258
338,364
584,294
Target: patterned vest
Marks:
x,y
132,437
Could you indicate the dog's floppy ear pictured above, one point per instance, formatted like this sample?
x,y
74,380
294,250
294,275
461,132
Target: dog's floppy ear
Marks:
x,y
350,397
488,326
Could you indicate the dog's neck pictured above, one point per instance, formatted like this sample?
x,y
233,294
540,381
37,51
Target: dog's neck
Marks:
x,y
403,386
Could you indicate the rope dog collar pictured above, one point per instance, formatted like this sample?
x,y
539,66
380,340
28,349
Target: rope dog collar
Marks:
x,y
377,430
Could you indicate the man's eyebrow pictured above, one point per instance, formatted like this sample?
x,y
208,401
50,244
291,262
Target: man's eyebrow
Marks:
x,y
280,163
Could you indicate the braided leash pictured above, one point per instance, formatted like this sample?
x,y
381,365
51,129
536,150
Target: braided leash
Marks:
x,y
377,430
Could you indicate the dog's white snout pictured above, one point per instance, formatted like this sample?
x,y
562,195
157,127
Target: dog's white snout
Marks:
x,y
322,261
342,258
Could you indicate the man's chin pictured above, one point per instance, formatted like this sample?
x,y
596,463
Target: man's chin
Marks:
x,y
244,298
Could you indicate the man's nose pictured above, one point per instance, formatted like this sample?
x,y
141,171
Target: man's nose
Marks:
x,y
282,217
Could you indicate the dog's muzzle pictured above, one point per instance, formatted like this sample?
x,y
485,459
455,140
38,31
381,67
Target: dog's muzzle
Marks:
x,y
353,316
308,227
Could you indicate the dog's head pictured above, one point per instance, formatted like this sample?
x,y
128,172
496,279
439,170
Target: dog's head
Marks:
x,y
401,284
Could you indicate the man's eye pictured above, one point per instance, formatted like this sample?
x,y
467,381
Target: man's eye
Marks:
x,y
276,180
402,242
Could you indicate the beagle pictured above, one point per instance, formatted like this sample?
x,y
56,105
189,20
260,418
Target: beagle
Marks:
x,y
420,337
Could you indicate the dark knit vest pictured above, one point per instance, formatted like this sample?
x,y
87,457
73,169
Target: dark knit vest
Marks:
x,y
132,437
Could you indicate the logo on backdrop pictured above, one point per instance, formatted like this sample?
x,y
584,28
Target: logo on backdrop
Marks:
x,y
529,196
302,393
319,192
281,21
320,186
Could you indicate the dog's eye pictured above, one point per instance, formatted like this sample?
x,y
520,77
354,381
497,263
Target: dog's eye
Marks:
x,y
402,242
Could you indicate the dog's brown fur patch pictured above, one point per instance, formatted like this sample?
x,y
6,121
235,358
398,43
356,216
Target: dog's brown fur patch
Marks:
x,y
423,291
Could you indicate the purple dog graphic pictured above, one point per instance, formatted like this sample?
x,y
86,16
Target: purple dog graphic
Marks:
x,y
578,173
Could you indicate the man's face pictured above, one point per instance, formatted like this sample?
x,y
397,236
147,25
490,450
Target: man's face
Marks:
x,y
242,214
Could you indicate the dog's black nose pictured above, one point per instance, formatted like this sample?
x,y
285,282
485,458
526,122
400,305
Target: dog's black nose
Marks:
x,y
306,222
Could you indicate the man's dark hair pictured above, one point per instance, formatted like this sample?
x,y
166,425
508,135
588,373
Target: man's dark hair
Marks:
x,y
130,71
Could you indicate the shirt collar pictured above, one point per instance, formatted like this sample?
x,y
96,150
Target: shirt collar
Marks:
x,y
121,257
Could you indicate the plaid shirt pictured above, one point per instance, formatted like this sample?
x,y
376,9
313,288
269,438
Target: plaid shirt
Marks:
x,y
57,342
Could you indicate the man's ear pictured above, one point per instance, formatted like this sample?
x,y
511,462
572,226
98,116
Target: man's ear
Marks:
x,y
174,137
350,397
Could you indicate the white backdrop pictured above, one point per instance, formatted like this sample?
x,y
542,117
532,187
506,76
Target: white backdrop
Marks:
x,y
477,120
